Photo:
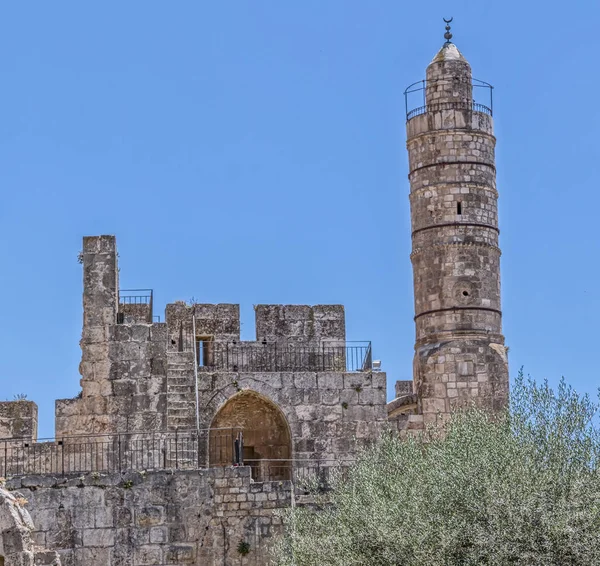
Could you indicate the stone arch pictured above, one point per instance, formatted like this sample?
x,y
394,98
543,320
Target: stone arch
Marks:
x,y
266,433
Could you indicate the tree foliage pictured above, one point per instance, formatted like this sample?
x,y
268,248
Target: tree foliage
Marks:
x,y
517,488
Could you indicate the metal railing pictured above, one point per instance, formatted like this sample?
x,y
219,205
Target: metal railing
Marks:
x,y
183,450
274,357
418,89
135,305
115,452
135,296
474,106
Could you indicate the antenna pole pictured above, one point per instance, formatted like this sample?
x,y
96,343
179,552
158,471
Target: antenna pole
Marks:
x,y
196,372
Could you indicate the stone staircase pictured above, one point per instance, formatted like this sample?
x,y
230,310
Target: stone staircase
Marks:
x,y
181,396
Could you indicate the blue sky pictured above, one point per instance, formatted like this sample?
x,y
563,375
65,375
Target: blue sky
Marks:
x,y
254,152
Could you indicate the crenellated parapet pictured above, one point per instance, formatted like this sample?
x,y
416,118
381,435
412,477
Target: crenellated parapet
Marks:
x,y
139,376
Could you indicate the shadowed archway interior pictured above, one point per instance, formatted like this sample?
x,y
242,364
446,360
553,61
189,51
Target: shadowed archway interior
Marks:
x,y
267,442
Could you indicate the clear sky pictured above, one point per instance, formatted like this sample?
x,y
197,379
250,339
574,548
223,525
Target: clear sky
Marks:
x,y
254,152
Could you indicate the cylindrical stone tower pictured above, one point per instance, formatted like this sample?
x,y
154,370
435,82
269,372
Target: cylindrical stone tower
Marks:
x,y
459,350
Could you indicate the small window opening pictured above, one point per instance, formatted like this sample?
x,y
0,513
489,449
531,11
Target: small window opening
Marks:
x,y
459,207
465,293
204,351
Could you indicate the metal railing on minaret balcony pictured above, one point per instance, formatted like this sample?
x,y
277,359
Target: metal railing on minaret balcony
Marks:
x,y
415,103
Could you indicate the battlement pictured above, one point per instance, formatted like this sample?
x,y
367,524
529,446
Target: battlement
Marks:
x,y
105,304
141,375
294,324
18,419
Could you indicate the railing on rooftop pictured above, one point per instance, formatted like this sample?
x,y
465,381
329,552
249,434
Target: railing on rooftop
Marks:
x,y
276,357
135,296
135,305
110,453
179,450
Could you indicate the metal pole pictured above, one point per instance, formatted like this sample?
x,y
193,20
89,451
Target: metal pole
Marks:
x,y
196,373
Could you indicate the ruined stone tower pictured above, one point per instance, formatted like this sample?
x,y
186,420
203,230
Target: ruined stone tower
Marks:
x,y
459,348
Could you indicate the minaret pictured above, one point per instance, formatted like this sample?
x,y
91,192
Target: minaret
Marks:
x,y
459,349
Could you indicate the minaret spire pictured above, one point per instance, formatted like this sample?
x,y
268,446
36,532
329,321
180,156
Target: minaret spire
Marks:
x,y
448,35
460,356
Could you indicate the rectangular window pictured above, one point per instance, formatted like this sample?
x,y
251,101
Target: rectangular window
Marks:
x,y
204,351
459,207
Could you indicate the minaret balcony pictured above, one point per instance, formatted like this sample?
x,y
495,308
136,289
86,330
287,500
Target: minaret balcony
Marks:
x,y
427,96
441,106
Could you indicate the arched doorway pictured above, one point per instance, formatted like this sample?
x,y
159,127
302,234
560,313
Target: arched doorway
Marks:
x,y
267,442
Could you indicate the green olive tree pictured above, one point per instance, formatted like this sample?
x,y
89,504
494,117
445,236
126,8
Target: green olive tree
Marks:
x,y
517,488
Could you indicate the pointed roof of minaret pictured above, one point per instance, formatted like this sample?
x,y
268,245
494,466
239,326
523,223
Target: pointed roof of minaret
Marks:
x,y
449,51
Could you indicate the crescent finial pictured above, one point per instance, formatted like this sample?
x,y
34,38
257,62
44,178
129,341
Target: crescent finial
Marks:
x,y
448,35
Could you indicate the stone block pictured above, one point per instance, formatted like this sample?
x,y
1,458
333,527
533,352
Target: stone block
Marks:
x,y
358,380
372,397
47,558
330,380
148,555
104,517
92,556
434,406
379,380
150,515
158,535
330,396
306,412
98,537
180,554
141,333
305,380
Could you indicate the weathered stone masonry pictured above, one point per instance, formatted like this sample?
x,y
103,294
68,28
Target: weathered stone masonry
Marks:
x,y
17,546
459,350
138,376
460,355
155,518
140,472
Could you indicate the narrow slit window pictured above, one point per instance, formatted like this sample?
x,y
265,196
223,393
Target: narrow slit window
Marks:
x,y
204,351
459,207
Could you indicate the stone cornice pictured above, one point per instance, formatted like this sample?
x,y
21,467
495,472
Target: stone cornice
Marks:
x,y
420,250
452,185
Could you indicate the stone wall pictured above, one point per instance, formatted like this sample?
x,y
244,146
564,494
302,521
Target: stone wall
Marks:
x,y
329,414
140,377
155,518
17,547
221,322
124,382
300,323
18,419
